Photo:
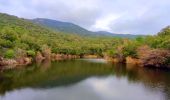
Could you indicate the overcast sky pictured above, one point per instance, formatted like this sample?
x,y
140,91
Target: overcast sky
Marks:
x,y
118,16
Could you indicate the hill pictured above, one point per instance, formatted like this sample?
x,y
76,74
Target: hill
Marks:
x,y
65,27
71,28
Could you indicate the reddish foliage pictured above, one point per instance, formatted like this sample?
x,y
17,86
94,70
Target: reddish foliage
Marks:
x,y
154,57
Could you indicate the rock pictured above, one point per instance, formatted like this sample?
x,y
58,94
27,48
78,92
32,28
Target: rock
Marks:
x,y
7,62
27,61
24,61
134,61
39,57
46,51
1,58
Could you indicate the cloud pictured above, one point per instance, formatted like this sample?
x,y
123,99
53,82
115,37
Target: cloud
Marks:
x,y
104,22
118,16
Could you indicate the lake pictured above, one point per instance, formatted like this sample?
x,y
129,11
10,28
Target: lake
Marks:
x,y
84,79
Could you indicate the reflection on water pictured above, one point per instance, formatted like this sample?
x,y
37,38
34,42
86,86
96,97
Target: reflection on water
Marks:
x,y
84,80
105,88
95,60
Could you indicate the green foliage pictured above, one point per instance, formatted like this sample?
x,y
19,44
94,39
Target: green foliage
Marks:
x,y
165,44
6,43
20,53
31,53
9,54
8,33
130,50
165,31
112,52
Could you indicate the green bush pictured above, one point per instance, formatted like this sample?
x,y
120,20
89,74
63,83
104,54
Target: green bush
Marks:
x,y
9,34
6,43
9,54
31,53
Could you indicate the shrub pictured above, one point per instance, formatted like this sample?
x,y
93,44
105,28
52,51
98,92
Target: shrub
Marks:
x,y
9,34
20,53
155,57
9,54
6,43
31,53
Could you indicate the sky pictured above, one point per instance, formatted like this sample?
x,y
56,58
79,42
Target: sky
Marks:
x,y
116,16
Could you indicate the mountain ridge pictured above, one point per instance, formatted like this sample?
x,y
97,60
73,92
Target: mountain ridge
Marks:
x,y
60,26
72,28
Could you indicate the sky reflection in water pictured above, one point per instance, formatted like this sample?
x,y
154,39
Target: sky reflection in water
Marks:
x,y
94,88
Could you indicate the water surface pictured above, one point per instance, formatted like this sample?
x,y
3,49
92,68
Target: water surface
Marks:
x,y
87,79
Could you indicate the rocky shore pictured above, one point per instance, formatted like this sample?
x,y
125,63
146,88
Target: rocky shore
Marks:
x,y
154,62
156,59
13,63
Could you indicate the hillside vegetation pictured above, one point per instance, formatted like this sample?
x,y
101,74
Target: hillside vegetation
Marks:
x,y
22,34
22,38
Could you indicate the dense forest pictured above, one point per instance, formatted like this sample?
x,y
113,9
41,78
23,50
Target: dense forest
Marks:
x,y
20,38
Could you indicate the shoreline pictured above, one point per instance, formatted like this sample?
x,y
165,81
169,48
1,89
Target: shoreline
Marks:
x,y
24,61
